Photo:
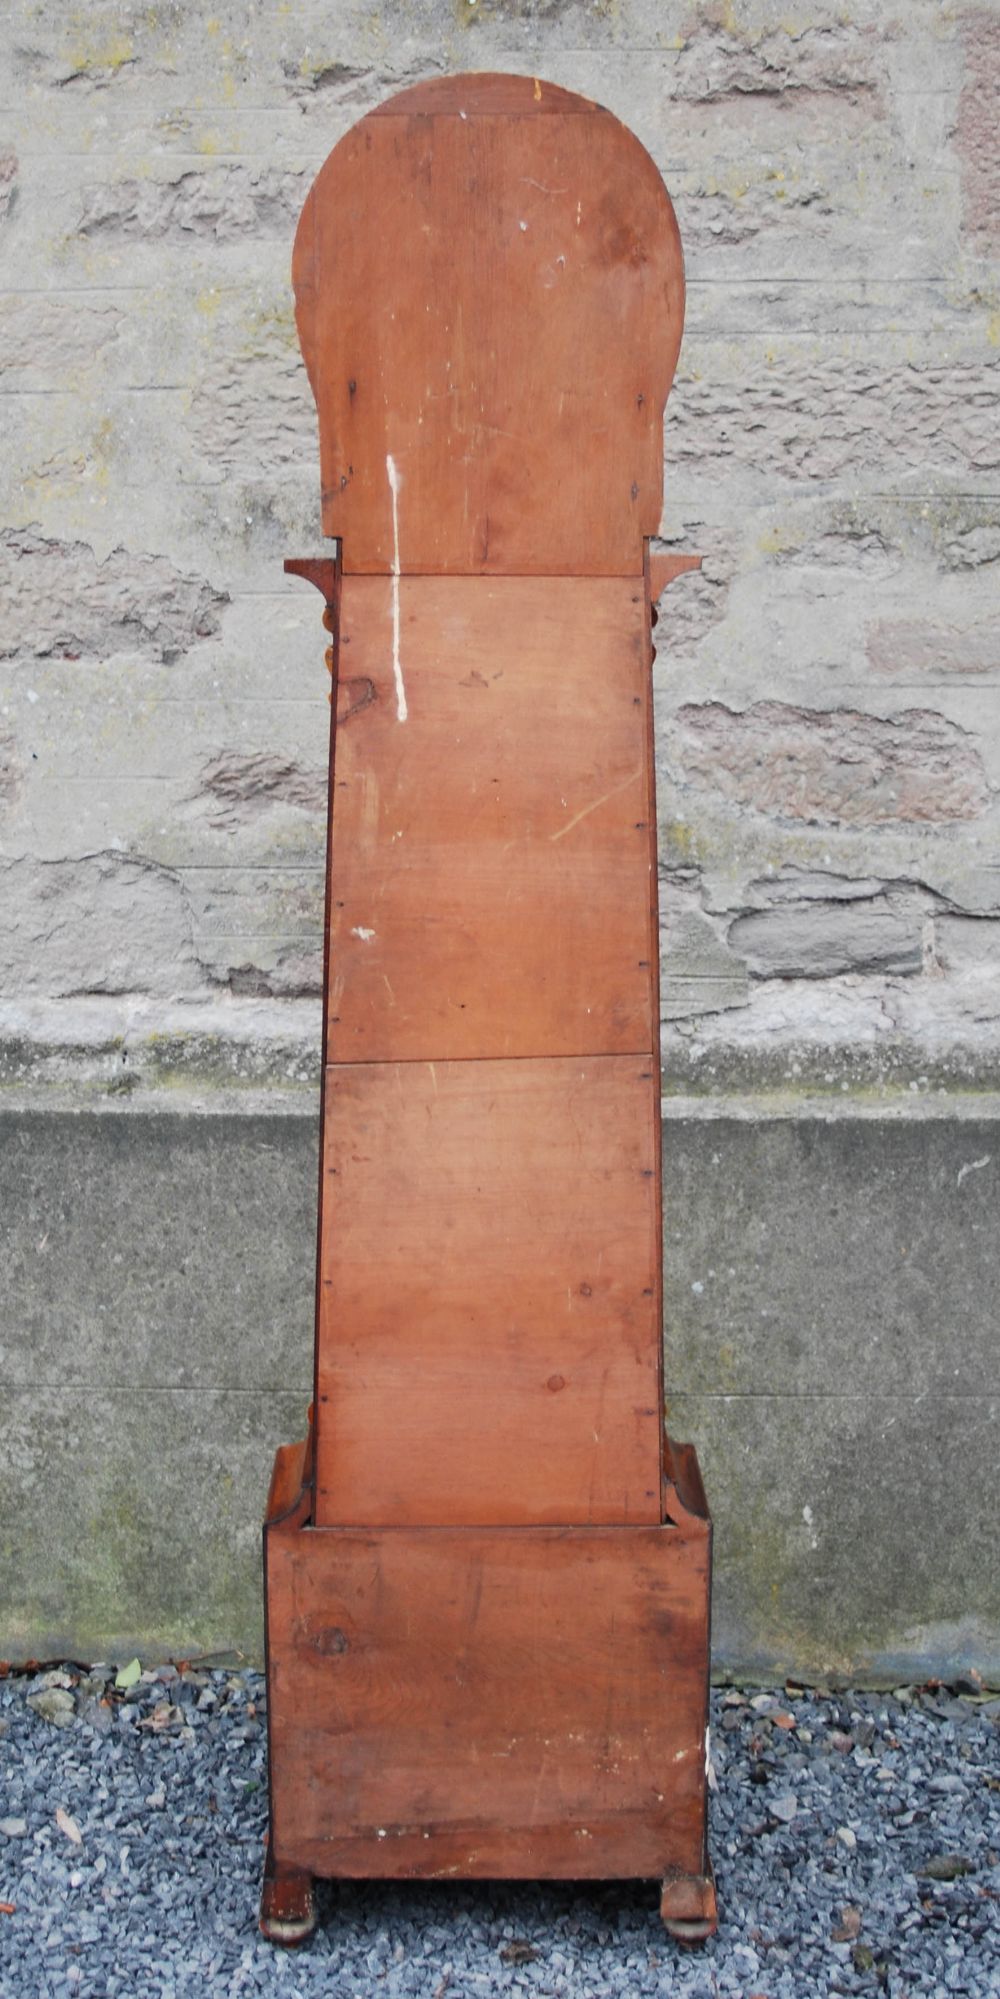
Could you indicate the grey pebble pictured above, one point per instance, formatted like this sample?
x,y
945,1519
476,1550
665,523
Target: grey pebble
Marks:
x,y
160,1901
54,1704
784,1808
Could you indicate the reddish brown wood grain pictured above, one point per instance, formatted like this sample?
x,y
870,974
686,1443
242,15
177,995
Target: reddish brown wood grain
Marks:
x,y
490,1702
489,1340
487,94
489,294
493,851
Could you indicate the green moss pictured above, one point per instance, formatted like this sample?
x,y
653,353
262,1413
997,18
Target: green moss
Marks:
x,y
679,844
885,1073
468,12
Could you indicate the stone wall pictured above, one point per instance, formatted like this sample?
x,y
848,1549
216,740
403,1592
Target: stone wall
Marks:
x,y
829,764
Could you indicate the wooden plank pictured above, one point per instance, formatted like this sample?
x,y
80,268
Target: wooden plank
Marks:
x,y
489,1340
489,1702
493,853
490,309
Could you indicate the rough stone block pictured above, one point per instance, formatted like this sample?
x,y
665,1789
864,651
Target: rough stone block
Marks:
x,y
813,411
833,765
978,133
252,412
881,536
910,649
694,603
259,931
227,202
60,600
11,771
968,944
700,974
238,786
100,924
46,340
8,180
819,939
723,59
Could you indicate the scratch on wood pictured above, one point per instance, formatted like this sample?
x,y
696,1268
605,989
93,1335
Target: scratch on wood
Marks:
x,y
397,671
369,803
587,809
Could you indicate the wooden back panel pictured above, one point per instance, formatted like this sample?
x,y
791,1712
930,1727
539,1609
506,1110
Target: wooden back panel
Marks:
x,y
490,886
490,295
489,1330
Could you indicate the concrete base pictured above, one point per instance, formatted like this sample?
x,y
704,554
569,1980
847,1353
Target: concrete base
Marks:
x,y
832,1274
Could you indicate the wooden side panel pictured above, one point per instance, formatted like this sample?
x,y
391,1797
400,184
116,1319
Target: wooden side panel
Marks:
x,y
489,294
489,1340
489,1702
493,852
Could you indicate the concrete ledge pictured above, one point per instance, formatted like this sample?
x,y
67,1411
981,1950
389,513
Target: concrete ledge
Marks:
x,y
830,1349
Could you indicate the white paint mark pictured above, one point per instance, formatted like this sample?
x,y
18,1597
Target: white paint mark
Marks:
x,y
395,483
522,226
360,931
973,1166
807,1515
711,1778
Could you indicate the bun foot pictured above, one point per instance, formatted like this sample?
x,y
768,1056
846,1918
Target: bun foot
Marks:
x,y
287,1904
688,1907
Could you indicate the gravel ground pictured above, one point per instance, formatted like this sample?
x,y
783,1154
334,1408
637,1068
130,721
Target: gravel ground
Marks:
x,y
856,1840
